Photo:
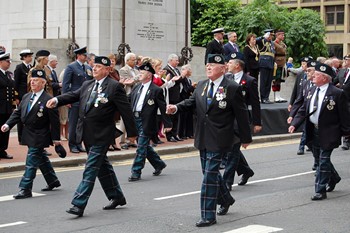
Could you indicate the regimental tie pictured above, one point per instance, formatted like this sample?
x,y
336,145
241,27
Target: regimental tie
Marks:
x,y
210,94
29,106
316,101
138,94
92,97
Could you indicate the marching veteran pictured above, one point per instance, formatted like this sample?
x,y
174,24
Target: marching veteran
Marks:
x,y
41,128
326,113
99,99
146,98
218,102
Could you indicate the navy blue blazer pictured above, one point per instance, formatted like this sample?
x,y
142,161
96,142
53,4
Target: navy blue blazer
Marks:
x,y
74,76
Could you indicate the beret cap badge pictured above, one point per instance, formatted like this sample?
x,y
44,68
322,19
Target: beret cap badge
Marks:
x,y
217,58
322,68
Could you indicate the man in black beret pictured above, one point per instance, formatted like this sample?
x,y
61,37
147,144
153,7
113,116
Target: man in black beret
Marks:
x,y
146,99
98,99
41,129
325,111
218,102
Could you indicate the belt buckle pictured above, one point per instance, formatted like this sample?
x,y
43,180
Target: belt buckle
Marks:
x,y
137,114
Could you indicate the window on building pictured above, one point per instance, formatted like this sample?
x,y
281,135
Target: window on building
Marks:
x,y
314,8
311,1
335,50
334,15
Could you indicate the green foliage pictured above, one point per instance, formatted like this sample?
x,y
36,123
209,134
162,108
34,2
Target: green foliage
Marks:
x,y
213,14
258,16
306,35
304,29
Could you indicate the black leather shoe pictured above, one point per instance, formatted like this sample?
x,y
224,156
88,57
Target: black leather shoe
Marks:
x,y
134,177
50,187
132,145
331,185
125,147
76,211
23,193
178,139
300,152
114,203
81,149
158,171
6,156
308,149
245,178
314,167
159,142
225,207
319,196
205,223
345,147
74,150
266,102
172,139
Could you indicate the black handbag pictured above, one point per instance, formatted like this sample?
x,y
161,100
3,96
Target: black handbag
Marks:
x,y
266,61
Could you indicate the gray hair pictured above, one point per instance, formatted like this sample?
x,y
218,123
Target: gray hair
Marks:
x,y
230,34
128,56
240,63
172,56
52,57
90,56
186,67
321,59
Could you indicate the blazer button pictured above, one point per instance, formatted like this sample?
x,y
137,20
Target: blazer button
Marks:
x,y
206,115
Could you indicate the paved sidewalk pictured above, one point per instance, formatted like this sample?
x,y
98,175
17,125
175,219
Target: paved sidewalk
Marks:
x,y
19,152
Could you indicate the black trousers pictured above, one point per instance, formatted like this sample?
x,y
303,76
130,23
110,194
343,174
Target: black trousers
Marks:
x,y
4,137
266,76
175,120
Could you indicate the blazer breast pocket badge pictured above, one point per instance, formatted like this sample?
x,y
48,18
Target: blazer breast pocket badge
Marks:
x,y
330,105
150,102
222,104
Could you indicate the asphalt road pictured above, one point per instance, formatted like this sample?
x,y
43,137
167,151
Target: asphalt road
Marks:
x,y
277,198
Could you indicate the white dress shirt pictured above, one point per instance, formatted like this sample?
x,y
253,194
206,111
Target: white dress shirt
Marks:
x,y
238,76
321,95
37,96
145,88
217,83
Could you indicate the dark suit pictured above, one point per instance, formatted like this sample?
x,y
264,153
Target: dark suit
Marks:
x,y
147,126
213,47
21,74
251,62
186,118
41,127
96,127
174,98
229,49
345,85
7,97
236,160
332,124
55,83
73,79
301,77
214,137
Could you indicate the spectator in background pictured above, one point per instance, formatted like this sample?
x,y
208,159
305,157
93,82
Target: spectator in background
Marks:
x,y
216,45
289,63
20,75
174,94
63,114
91,60
186,118
128,77
115,75
56,85
251,56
